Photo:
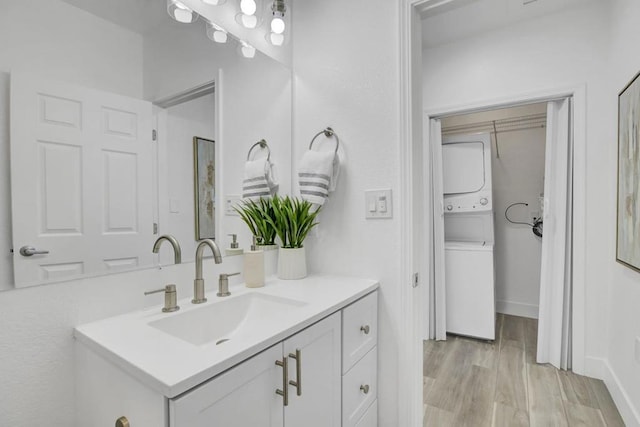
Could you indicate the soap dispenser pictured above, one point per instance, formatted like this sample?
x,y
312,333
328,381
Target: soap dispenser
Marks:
x,y
234,248
254,266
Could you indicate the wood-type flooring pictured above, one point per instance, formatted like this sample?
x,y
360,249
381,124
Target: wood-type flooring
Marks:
x,y
470,382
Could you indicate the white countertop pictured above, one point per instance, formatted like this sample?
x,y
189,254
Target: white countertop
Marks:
x,y
172,366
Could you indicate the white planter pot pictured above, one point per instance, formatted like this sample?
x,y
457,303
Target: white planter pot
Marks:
x,y
268,247
292,263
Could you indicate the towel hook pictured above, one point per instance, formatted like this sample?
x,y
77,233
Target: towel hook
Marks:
x,y
328,132
263,144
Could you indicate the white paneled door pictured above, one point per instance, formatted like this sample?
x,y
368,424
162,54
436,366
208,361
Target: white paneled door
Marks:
x,y
81,181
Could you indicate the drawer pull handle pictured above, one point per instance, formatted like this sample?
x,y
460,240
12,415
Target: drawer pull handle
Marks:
x,y
298,382
285,380
365,329
365,388
122,422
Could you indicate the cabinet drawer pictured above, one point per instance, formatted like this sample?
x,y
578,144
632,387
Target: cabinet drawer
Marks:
x,y
370,418
359,388
359,329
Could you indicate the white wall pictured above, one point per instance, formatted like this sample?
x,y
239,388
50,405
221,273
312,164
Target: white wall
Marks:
x,y
179,57
50,42
624,287
518,176
268,115
345,73
560,50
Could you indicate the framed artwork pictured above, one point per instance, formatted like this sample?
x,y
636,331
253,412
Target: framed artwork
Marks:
x,y
628,233
204,187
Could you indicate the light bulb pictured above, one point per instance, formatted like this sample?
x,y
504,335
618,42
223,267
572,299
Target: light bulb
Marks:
x,y
220,36
180,12
216,33
276,39
247,50
248,7
183,15
277,25
249,21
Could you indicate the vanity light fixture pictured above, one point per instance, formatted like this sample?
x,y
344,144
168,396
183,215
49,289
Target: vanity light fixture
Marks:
x,y
216,33
180,12
249,16
214,2
246,50
276,35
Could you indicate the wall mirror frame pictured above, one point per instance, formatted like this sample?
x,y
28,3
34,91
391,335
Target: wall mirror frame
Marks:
x,y
86,81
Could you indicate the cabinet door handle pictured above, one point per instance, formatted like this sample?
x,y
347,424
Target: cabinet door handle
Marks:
x,y
365,388
284,363
365,329
122,422
298,382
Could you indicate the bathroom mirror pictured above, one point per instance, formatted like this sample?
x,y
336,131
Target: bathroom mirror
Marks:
x,y
100,105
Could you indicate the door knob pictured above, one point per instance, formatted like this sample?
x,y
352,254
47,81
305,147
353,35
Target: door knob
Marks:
x,y
30,250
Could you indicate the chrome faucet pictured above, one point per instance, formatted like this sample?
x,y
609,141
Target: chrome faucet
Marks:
x,y
198,283
177,253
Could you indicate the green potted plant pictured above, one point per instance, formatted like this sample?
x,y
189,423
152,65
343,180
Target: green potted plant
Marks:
x,y
256,215
292,220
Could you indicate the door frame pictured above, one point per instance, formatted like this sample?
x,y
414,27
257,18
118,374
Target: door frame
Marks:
x,y
416,215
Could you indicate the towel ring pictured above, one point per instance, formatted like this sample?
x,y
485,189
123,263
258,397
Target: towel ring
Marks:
x,y
328,132
263,144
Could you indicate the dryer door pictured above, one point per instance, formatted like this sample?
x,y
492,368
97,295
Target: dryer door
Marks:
x,y
463,167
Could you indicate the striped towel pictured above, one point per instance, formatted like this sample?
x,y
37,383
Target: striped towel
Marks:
x,y
317,175
259,180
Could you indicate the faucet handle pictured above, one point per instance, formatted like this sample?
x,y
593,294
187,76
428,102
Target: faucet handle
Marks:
x,y
223,284
170,298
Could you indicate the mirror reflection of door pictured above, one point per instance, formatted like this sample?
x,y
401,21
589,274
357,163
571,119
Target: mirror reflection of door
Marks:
x,y
82,190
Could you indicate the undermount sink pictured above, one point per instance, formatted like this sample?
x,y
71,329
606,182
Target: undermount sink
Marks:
x,y
224,320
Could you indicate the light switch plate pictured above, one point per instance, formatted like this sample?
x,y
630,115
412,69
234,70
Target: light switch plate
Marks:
x,y
378,204
229,202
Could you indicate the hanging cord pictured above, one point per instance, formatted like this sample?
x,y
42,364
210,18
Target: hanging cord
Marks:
x,y
536,227
506,214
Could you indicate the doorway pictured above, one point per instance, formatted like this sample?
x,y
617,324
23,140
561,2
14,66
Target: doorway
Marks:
x,y
503,226
520,173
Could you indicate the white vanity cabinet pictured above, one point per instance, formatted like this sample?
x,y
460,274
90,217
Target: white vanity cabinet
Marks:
x,y
360,362
246,394
318,372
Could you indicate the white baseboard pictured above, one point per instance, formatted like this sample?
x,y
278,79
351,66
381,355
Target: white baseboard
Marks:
x,y
517,309
600,368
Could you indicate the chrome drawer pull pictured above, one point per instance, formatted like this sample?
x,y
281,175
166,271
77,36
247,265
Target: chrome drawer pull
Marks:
x,y
365,388
284,363
365,329
298,382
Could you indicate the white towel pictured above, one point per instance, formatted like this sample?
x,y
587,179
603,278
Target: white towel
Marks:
x,y
260,180
317,175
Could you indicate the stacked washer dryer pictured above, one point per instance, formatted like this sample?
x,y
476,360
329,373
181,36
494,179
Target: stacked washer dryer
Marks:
x,y
469,237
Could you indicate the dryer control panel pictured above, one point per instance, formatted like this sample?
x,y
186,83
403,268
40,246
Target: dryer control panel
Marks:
x,y
476,202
